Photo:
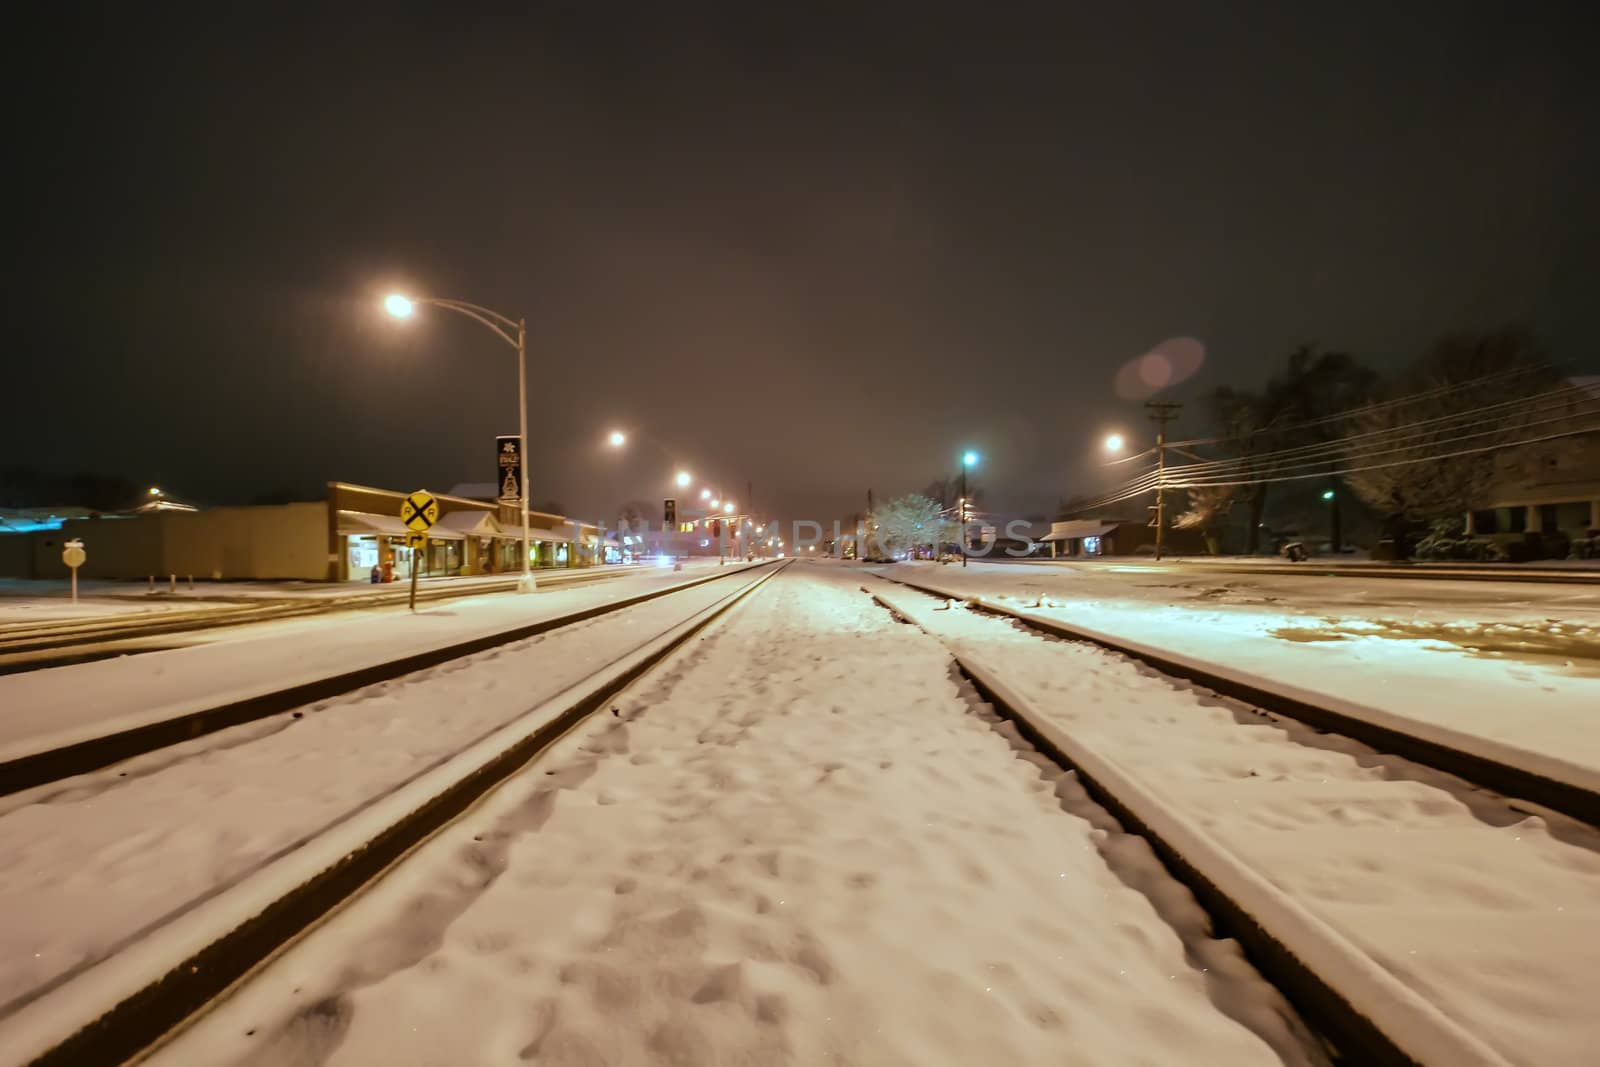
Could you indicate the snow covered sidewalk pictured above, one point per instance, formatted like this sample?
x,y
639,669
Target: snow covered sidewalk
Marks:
x,y
799,843
1488,912
1520,669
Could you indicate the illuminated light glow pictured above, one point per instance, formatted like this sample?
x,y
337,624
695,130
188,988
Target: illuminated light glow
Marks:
x,y
617,438
1155,370
716,503
154,491
1114,442
728,508
705,494
969,459
1327,494
684,479
399,306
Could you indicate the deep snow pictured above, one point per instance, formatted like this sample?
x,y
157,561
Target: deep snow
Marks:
x,y
89,864
1488,911
1519,664
801,841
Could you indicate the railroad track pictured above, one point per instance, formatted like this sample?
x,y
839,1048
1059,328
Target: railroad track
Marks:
x,y
1554,784
32,769
1368,1011
106,636
115,1008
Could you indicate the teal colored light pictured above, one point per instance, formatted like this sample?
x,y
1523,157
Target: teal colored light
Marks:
x,y
970,459
1327,494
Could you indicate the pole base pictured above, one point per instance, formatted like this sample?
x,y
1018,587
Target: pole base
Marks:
x,y
527,583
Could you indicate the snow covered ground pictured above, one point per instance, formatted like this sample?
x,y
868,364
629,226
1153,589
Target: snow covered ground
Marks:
x,y
1490,912
55,706
88,864
1516,663
24,601
800,842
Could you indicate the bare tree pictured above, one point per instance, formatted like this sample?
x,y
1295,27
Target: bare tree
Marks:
x,y
1397,457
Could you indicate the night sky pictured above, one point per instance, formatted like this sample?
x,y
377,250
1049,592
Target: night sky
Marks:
x,y
819,251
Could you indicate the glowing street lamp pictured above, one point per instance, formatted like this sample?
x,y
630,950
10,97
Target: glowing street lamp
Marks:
x,y
727,509
969,458
155,491
1114,442
684,479
617,438
515,334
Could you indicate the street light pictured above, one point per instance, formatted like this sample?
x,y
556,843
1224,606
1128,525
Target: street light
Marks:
x,y
514,334
727,508
705,494
617,438
684,479
1114,442
1327,494
969,458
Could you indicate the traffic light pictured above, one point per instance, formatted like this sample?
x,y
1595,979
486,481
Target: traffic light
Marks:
x,y
669,512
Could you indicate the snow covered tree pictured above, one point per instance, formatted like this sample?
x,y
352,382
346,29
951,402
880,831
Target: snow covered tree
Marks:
x,y
907,523
1208,511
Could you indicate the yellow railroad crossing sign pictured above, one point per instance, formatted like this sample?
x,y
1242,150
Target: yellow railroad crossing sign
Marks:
x,y
419,511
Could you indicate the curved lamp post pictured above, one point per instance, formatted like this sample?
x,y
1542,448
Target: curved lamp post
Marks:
x,y
514,334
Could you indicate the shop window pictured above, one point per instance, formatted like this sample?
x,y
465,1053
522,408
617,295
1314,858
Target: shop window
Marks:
x,y
1511,520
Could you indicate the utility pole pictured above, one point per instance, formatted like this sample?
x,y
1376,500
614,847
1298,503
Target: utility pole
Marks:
x,y
962,514
1161,413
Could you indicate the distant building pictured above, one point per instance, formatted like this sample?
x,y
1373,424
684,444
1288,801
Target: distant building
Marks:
x,y
1089,538
1548,491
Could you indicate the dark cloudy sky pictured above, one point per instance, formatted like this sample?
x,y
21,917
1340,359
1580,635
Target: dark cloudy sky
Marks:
x,y
820,250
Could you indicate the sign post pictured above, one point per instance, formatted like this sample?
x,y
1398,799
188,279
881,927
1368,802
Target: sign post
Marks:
x,y
419,512
72,555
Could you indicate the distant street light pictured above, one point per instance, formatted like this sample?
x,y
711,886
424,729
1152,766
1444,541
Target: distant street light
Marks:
x,y
705,494
968,459
1327,494
715,503
1114,442
514,334
728,508
684,479
618,438
154,491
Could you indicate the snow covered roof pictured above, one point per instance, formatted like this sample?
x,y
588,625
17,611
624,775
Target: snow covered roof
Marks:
x,y
363,523
471,523
476,490
1074,528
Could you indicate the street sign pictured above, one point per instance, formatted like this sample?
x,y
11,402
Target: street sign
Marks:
x,y
72,555
508,453
669,511
419,511
416,540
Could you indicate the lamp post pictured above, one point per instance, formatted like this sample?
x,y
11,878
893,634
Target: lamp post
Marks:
x,y
968,459
514,334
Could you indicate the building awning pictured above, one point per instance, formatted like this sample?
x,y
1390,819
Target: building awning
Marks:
x,y
1068,531
513,532
365,524
470,523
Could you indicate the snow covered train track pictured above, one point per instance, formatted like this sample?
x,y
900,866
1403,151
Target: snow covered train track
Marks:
x,y
150,979
23,767
1551,783
36,645
1411,916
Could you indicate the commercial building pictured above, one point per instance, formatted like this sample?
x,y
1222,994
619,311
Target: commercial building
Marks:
x,y
340,538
